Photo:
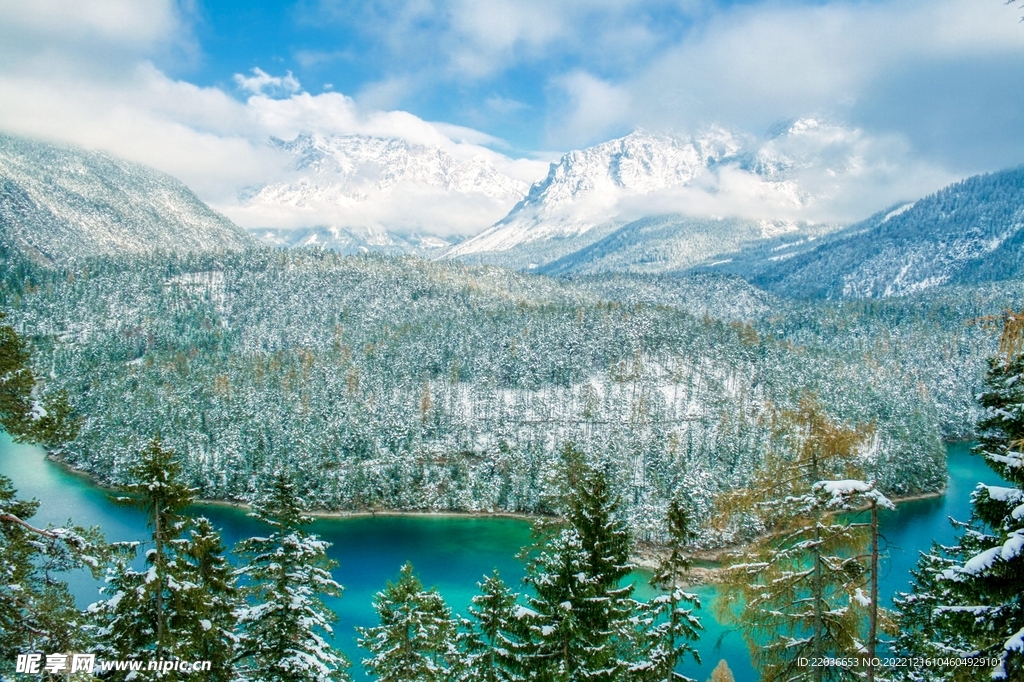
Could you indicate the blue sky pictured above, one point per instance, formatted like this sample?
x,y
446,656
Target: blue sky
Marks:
x,y
443,62
514,69
196,87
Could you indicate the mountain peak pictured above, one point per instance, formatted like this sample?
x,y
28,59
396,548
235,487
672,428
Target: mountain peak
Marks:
x,y
582,188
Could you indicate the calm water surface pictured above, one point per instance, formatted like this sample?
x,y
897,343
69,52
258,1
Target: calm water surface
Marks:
x,y
453,553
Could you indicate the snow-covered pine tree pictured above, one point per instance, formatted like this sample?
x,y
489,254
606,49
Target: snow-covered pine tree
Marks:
x,y
416,636
37,612
285,577
582,624
149,614
16,383
490,640
27,419
210,634
846,497
794,592
669,619
968,600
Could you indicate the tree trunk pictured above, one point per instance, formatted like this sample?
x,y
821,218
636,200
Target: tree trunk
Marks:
x,y
819,624
873,612
158,540
819,596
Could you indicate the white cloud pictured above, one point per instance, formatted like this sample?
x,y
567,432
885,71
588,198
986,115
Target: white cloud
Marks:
x,y
407,209
919,78
751,64
594,109
471,40
138,23
262,83
217,145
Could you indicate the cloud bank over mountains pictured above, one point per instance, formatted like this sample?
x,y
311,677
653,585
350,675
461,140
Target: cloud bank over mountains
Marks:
x,y
914,94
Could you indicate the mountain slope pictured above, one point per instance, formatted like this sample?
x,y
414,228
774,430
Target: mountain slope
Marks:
x,y
350,241
672,243
772,180
59,203
969,232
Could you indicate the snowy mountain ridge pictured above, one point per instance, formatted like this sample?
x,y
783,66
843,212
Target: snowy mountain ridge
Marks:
x,y
632,177
582,188
347,168
59,203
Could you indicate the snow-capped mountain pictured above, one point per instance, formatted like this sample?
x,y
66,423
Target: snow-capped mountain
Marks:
x,y
58,203
589,194
582,189
379,185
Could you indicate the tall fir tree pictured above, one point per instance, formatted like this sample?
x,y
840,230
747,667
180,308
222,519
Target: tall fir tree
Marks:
x,y
25,418
37,611
797,591
968,599
16,383
210,634
581,622
285,577
668,618
154,614
415,640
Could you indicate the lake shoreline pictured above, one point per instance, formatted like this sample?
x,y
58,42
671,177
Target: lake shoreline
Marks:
x,y
241,505
645,556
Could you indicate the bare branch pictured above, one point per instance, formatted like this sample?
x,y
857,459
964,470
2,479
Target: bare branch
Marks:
x,y
11,518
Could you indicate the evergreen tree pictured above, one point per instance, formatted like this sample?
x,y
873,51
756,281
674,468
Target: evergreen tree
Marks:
x,y
157,614
968,600
24,418
490,641
582,624
16,383
798,591
415,638
286,576
210,634
671,625
37,612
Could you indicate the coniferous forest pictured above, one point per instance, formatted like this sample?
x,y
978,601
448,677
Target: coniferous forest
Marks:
x,y
433,386
684,413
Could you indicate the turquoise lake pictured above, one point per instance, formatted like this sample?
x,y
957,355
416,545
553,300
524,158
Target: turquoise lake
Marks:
x,y
454,552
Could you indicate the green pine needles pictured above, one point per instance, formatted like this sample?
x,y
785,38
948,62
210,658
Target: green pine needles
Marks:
x,y
968,599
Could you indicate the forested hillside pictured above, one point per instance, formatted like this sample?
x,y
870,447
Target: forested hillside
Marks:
x,y
404,384
672,243
967,233
60,203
